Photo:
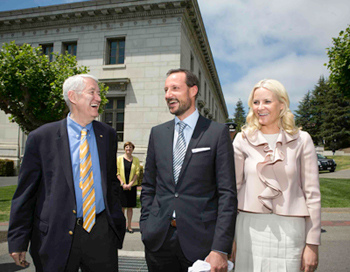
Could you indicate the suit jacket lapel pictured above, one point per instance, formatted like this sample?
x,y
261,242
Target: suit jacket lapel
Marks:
x,y
101,147
64,154
168,147
201,126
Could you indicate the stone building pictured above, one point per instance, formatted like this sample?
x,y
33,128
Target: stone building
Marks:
x,y
129,45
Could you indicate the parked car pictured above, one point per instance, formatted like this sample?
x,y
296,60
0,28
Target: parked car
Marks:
x,y
326,164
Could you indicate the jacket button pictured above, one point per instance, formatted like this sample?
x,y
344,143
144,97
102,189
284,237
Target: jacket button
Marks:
x,y
176,195
74,211
70,232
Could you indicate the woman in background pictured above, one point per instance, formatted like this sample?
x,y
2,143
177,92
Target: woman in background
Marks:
x,y
279,222
128,170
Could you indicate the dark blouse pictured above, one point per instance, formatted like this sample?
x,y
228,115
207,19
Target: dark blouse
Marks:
x,y
127,169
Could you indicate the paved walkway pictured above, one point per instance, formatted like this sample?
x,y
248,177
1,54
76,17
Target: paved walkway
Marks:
x,y
334,252
342,174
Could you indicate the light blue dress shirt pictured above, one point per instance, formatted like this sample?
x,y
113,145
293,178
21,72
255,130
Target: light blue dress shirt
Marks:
x,y
191,122
74,132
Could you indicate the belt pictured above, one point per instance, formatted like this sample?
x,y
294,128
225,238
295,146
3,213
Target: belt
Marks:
x,y
80,220
173,223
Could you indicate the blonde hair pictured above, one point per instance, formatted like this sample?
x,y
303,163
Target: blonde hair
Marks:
x,y
286,116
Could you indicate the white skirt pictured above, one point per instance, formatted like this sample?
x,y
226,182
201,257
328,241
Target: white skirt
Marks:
x,y
269,242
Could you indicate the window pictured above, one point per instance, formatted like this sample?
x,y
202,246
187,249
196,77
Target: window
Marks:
x,y
199,81
114,115
115,51
209,101
70,47
192,63
47,49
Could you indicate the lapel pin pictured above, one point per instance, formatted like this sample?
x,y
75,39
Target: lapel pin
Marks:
x,y
101,136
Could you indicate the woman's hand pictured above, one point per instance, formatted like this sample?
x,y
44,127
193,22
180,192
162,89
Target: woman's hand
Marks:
x,y
232,257
309,261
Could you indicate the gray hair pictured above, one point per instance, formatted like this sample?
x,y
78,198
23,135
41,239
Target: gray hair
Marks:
x,y
75,83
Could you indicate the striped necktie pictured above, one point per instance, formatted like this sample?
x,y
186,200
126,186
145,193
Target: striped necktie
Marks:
x,y
87,183
179,151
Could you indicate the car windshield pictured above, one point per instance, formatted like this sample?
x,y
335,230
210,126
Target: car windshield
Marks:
x,y
319,156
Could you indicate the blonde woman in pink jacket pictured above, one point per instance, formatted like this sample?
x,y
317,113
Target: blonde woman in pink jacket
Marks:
x,y
279,223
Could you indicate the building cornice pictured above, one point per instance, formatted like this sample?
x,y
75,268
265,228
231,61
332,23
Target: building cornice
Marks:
x,y
86,12
198,25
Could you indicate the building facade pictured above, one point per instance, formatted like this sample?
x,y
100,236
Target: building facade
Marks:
x,y
129,45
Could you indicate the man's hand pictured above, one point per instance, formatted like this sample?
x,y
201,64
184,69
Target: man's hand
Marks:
x,y
218,261
309,260
20,258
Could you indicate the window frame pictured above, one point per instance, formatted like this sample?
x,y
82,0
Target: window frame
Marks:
x,y
66,44
114,111
44,46
109,48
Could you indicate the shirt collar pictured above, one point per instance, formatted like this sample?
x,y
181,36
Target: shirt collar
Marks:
x,y
190,121
76,127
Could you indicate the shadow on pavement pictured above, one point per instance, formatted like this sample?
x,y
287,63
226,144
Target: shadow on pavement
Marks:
x,y
10,267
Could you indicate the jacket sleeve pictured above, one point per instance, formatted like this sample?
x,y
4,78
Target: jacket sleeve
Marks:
x,y
24,199
239,160
227,195
119,166
137,164
311,188
149,182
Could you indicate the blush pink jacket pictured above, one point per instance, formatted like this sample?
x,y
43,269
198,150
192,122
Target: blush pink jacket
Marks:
x,y
286,184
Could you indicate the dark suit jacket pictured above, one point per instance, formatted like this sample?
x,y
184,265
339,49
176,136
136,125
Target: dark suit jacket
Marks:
x,y
43,206
204,198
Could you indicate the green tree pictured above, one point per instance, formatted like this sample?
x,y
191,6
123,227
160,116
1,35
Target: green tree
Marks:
x,y
31,85
239,116
334,111
339,62
325,115
303,114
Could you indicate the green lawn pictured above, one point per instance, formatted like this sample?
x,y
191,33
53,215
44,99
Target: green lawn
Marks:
x,y
335,194
343,162
6,194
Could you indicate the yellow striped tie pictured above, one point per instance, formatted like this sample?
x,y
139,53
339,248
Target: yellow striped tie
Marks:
x,y
87,183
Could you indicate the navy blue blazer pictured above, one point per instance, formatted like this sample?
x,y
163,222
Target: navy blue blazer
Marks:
x,y
43,206
204,197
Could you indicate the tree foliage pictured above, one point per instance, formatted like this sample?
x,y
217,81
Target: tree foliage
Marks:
x,y
31,85
239,116
339,62
325,114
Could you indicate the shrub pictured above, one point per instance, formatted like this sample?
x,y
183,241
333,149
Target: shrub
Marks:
x,y
6,168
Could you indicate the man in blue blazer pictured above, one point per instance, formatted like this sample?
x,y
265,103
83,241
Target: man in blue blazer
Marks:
x,y
189,215
48,207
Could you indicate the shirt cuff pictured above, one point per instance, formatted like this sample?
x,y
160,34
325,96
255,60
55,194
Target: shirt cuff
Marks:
x,y
219,251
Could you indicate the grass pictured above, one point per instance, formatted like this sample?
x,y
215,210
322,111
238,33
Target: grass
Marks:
x,y
335,193
343,162
6,194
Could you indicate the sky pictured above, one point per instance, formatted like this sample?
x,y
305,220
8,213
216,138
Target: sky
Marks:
x,y
255,39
